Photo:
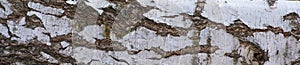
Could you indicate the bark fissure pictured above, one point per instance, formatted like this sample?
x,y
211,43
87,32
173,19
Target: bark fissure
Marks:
x,y
187,50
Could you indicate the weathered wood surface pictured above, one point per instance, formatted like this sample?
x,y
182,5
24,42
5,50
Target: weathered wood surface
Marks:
x,y
150,32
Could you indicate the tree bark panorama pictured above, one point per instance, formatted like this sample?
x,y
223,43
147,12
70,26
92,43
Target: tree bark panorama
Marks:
x,y
149,32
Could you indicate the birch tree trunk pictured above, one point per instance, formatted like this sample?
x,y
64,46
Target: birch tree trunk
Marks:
x,y
149,32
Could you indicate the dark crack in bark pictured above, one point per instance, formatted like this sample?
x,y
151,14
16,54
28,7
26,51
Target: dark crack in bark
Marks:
x,y
187,50
132,52
4,23
60,38
208,43
259,55
20,7
239,29
295,62
29,53
109,45
199,7
293,0
119,60
1,6
200,23
107,19
108,16
294,22
120,3
271,2
291,16
296,30
160,28
234,54
7,59
33,22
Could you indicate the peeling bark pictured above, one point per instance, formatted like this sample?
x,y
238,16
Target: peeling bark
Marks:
x,y
151,32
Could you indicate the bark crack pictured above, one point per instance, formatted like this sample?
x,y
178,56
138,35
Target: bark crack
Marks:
x,y
31,52
187,50
119,60
160,28
257,54
109,45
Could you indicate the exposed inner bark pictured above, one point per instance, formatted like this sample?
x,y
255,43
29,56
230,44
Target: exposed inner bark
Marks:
x,y
239,29
129,14
186,50
61,38
108,45
259,55
30,53
160,28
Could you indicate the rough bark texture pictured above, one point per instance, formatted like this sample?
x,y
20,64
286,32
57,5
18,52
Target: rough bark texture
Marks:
x,y
150,32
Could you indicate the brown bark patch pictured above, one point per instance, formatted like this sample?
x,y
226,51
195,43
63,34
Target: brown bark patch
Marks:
x,y
160,28
109,45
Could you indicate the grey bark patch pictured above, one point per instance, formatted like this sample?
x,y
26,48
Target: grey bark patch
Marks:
x,y
84,16
128,17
